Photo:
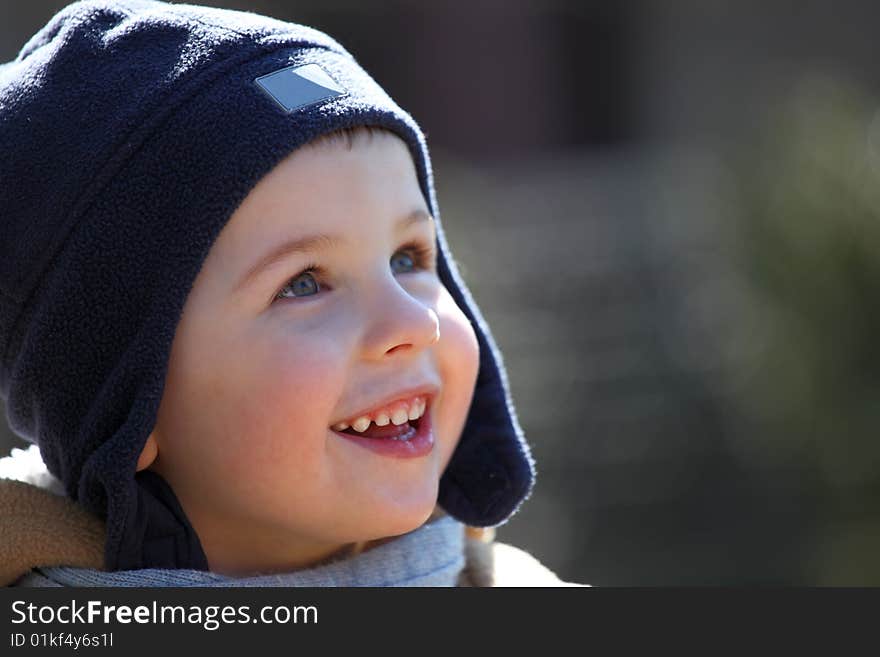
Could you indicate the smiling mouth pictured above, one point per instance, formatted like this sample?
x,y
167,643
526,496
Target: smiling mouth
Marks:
x,y
412,439
398,420
390,431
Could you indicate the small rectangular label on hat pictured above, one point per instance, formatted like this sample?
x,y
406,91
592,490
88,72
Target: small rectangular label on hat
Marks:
x,y
294,87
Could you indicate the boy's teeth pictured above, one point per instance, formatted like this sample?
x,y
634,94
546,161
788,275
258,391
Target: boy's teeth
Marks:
x,y
360,425
399,416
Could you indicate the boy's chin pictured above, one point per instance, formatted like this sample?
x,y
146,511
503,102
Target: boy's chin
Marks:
x,y
404,522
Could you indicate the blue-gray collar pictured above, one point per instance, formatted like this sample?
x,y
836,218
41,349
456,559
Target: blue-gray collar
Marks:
x,y
432,555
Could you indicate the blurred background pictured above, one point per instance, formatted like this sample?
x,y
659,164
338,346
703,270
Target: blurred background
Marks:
x,y
669,213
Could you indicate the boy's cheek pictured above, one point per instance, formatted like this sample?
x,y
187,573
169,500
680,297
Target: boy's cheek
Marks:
x,y
260,387
298,388
294,361
458,347
459,361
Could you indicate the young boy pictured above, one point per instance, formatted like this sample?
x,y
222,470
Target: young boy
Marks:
x,y
230,320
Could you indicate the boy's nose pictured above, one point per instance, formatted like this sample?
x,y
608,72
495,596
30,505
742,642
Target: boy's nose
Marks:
x,y
399,322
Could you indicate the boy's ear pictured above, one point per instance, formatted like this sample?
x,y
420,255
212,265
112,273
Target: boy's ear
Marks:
x,y
148,453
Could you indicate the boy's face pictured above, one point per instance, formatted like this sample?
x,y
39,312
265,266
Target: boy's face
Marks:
x,y
261,370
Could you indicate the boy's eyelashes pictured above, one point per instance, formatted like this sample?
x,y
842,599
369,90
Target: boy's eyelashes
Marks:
x,y
421,256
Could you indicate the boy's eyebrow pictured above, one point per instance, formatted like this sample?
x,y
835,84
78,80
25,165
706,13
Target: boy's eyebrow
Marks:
x,y
317,242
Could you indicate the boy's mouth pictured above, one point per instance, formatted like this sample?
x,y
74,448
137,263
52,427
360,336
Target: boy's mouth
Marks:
x,y
398,420
390,431
407,440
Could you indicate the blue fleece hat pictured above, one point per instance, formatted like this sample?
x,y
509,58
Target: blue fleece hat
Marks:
x,y
130,131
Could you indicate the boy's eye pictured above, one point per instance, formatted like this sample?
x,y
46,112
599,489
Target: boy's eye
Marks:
x,y
406,260
303,284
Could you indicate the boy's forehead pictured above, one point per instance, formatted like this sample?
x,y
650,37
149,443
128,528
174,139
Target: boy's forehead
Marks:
x,y
306,232
330,190
329,178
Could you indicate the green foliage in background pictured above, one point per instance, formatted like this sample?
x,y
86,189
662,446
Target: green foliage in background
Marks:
x,y
810,229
